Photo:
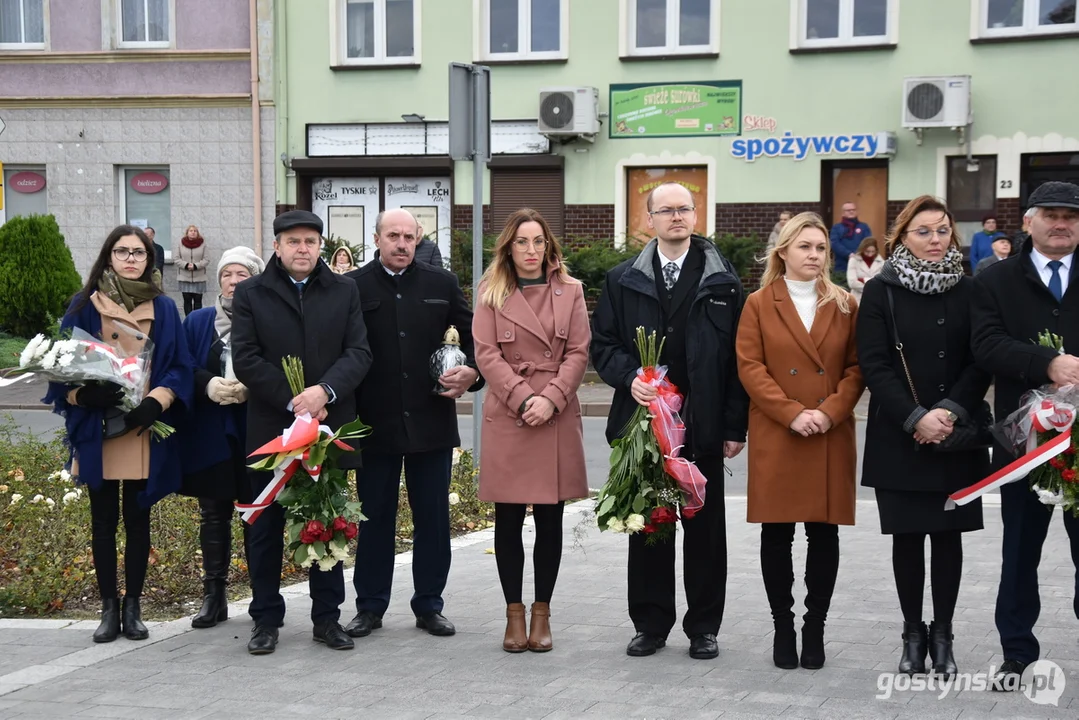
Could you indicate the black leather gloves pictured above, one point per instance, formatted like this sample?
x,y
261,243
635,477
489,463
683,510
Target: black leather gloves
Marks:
x,y
145,415
99,395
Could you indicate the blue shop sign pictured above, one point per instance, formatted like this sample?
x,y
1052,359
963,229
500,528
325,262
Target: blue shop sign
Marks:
x,y
797,147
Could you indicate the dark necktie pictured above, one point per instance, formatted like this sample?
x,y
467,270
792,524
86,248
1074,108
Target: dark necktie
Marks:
x,y
1055,285
299,288
670,274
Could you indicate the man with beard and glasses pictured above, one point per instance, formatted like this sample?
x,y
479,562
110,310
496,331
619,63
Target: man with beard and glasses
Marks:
x,y
1013,302
407,307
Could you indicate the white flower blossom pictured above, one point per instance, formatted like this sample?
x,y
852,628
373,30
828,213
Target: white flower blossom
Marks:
x,y
50,502
634,523
69,346
616,525
30,352
327,563
48,361
66,477
65,360
69,498
15,498
1048,497
310,560
454,498
339,551
37,498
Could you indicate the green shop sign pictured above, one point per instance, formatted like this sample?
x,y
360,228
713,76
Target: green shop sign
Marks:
x,y
676,109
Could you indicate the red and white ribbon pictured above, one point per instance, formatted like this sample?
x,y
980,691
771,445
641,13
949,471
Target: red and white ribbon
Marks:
x,y
1045,417
295,443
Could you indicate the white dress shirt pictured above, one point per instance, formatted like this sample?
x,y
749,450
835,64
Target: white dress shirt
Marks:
x,y
1041,264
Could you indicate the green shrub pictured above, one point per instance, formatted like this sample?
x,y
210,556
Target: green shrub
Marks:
x,y
461,257
590,260
37,274
741,252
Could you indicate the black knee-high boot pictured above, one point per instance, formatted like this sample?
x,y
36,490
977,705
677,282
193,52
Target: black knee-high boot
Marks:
x,y
822,567
777,569
215,537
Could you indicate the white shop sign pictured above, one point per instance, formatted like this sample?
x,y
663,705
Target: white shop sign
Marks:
x,y
348,207
428,199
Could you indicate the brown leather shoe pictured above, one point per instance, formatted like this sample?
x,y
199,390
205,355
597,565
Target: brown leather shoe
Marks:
x,y
515,641
539,631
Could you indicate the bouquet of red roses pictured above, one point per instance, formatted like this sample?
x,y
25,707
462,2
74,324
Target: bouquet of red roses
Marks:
x,y
648,482
319,518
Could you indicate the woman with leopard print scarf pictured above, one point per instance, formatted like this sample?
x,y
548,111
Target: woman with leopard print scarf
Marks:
x,y
914,350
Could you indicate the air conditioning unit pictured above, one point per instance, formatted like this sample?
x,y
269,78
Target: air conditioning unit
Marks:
x,y
566,111
941,101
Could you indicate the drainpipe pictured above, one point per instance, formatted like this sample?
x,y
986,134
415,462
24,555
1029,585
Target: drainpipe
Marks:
x,y
256,124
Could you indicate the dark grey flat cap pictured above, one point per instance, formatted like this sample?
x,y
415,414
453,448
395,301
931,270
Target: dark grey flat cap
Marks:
x,y
296,218
1055,194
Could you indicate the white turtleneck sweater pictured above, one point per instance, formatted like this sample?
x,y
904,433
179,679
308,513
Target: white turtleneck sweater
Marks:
x,y
804,295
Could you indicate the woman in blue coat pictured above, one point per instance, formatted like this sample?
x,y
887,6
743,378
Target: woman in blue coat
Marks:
x,y
123,306
213,437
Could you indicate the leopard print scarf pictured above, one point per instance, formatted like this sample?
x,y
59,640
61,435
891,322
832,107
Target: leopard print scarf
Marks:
x,y
925,277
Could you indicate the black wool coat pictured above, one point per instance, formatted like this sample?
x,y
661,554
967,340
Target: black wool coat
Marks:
x,y
406,320
325,331
717,407
935,333
1011,306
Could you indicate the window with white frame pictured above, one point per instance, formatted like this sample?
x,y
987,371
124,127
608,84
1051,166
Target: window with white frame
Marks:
x,y
1004,18
22,25
375,32
844,23
671,27
524,29
144,23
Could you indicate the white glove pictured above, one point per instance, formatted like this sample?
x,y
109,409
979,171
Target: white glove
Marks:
x,y
220,390
237,391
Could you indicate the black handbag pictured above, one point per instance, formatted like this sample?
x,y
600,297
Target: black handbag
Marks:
x,y
975,434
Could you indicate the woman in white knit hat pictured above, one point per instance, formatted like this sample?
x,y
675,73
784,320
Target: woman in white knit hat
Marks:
x,y
214,462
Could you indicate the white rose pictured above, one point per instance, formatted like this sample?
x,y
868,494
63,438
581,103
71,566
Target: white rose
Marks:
x,y
327,563
634,523
37,498
310,558
15,498
616,525
69,498
340,552
454,498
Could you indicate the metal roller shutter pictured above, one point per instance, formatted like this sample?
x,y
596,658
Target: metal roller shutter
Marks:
x,y
538,188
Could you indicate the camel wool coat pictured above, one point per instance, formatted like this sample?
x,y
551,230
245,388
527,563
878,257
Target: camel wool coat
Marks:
x,y
785,370
516,356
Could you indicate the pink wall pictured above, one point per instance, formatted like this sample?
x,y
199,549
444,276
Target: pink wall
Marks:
x,y
212,24
159,78
75,25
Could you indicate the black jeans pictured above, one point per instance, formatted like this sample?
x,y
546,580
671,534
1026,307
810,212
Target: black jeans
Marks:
x,y
192,302
378,485
510,551
104,520
777,569
704,545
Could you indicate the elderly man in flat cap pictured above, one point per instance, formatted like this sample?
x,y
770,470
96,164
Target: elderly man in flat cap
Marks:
x,y
1014,300
297,307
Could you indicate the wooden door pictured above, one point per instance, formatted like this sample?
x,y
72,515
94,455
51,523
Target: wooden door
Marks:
x,y
868,189
641,181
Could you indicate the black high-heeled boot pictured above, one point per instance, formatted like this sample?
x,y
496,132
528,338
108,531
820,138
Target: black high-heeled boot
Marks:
x,y
822,567
940,649
915,641
215,536
109,629
777,570
134,629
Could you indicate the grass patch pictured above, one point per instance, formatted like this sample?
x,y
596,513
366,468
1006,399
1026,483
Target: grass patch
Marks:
x,y
10,349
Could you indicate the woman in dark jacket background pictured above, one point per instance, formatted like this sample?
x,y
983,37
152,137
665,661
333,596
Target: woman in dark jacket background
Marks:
x,y
214,457
912,476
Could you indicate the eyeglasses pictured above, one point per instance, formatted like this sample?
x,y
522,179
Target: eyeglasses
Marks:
x,y
522,244
123,253
671,212
924,233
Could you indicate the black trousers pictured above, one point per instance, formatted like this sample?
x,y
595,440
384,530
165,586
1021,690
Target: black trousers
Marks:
x,y
378,485
192,302
510,551
704,551
105,509
266,543
1026,522
777,569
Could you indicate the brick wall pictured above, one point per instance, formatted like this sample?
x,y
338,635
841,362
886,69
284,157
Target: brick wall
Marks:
x,y
461,218
1009,215
588,221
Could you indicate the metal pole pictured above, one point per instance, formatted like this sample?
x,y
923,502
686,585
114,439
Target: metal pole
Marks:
x,y
479,152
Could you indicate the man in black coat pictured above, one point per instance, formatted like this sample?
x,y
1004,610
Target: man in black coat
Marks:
x,y
1014,301
681,287
407,308
297,307
427,252
159,253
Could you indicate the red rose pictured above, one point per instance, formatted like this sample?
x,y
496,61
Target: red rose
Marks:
x,y
308,538
339,524
314,527
1070,450
351,530
1057,463
1068,475
649,528
326,536
663,515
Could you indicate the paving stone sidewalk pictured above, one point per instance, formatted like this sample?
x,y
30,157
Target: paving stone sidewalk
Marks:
x,y
401,672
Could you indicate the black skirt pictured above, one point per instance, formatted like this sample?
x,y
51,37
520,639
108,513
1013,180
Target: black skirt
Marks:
x,y
904,511
225,481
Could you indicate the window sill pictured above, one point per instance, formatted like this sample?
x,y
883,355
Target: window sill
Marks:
x,y
524,61
842,49
670,56
1028,37
22,47
376,66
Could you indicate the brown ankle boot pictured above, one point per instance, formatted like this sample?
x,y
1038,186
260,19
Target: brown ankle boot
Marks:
x,y
515,641
539,631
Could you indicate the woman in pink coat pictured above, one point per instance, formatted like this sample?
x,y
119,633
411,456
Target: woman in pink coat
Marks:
x,y
531,333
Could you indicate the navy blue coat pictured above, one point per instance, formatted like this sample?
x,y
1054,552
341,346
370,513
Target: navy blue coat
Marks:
x,y
170,367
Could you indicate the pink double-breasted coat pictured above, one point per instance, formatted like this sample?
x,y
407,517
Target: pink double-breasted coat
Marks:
x,y
518,358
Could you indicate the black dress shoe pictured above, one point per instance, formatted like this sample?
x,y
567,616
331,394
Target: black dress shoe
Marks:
x,y
1010,677
644,644
333,636
109,629
940,649
362,625
434,623
263,640
703,647
131,616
